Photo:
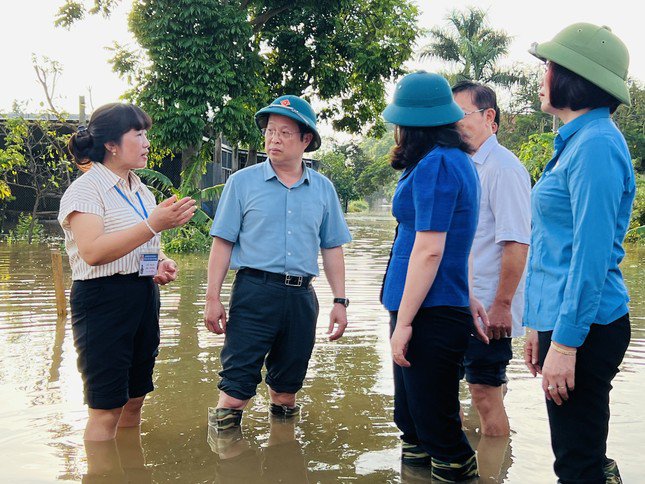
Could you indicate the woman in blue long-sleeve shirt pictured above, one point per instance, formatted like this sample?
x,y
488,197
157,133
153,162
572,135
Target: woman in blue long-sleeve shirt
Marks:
x,y
576,300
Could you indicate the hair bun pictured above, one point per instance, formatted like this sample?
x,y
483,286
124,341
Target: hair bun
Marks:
x,y
81,144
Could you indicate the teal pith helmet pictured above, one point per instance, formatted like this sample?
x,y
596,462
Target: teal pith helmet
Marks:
x,y
295,108
592,52
422,99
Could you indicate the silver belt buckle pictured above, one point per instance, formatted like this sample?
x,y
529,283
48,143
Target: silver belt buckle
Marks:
x,y
288,280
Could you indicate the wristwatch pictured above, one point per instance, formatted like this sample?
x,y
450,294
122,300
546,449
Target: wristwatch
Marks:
x,y
341,300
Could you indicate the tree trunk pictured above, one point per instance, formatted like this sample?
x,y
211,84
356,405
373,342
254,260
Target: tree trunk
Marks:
x,y
346,205
189,176
252,157
235,159
217,160
34,211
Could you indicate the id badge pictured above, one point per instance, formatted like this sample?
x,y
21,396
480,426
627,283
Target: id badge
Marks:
x,y
148,264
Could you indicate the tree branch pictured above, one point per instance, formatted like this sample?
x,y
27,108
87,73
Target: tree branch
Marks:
x,y
260,20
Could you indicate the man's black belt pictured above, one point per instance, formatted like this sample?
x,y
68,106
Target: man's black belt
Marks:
x,y
286,279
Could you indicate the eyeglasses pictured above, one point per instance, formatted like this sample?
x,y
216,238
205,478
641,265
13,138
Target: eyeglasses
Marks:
x,y
269,133
468,113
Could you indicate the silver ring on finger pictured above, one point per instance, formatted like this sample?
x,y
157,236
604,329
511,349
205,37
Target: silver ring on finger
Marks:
x,y
550,388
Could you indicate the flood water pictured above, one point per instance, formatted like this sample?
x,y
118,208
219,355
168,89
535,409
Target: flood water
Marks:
x,y
345,433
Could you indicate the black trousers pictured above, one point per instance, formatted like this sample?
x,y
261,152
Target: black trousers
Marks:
x,y
269,323
426,395
579,427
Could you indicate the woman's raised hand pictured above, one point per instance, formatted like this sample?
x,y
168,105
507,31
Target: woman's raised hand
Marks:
x,y
172,213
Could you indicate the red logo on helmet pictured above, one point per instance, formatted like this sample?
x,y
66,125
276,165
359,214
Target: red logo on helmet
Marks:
x,y
285,102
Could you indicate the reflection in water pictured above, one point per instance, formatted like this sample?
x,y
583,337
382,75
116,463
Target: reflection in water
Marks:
x,y
117,461
241,461
345,432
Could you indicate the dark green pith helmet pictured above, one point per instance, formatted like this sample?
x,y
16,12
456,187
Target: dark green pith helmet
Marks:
x,y
422,99
592,52
295,108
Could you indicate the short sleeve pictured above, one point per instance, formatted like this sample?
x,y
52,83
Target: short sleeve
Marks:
x,y
228,217
510,202
78,198
434,193
333,230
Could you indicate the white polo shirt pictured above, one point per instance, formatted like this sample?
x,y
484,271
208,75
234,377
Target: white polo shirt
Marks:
x,y
504,216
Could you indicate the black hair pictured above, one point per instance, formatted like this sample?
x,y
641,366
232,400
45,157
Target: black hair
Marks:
x,y
569,90
304,129
412,143
108,124
483,96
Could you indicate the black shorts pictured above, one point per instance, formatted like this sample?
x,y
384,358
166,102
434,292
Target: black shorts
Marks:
x,y
115,323
485,364
267,320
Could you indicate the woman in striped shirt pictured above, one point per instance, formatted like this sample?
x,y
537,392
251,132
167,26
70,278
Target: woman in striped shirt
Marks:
x,y
112,228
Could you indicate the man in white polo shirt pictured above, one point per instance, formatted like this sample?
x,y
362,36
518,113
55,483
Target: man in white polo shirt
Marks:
x,y
499,252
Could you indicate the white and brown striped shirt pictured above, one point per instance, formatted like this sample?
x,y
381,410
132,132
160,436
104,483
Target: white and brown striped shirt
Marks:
x,y
94,192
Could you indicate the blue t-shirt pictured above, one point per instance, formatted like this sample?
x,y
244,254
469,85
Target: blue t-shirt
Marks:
x,y
439,194
276,228
581,208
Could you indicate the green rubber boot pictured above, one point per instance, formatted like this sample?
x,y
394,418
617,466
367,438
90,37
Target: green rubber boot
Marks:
x,y
454,471
224,418
413,455
284,411
612,475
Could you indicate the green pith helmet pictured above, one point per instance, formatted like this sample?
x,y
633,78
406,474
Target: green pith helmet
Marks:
x,y
295,108
422,99
592,52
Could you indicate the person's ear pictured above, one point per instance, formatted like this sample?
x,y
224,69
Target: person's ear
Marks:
x,y
308,138
490,115
111,146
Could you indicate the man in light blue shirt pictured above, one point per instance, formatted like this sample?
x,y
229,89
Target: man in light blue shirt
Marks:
x,y
270,223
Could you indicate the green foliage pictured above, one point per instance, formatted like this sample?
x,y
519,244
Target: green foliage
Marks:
x,y
361,170
631,121
28,230
334,166
356,206
536,153
194,236
34,158
636,232
205,66
14,131
473,46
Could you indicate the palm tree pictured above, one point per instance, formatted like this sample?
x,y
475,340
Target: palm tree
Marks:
x,y
474,46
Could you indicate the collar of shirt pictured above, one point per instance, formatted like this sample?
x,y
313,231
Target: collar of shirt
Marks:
x,y
572,127
108,179
269,174
484,150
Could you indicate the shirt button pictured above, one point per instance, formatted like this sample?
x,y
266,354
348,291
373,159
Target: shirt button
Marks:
x,y
288,211
289,232
288,253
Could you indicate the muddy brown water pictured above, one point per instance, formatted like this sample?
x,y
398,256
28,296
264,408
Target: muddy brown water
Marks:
x,y
345,433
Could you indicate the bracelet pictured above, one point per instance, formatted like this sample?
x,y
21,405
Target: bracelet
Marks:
x,y
145,220
561,350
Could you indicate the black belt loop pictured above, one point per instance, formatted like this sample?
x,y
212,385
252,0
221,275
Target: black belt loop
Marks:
x,y
286,279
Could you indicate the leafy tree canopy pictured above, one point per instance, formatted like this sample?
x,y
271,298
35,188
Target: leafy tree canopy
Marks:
x,y
214,62
473,46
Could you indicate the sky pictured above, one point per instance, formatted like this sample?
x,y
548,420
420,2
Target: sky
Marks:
x,y
27,27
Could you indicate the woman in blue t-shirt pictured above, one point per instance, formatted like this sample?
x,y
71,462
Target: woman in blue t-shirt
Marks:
x,y
576,299
436,204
